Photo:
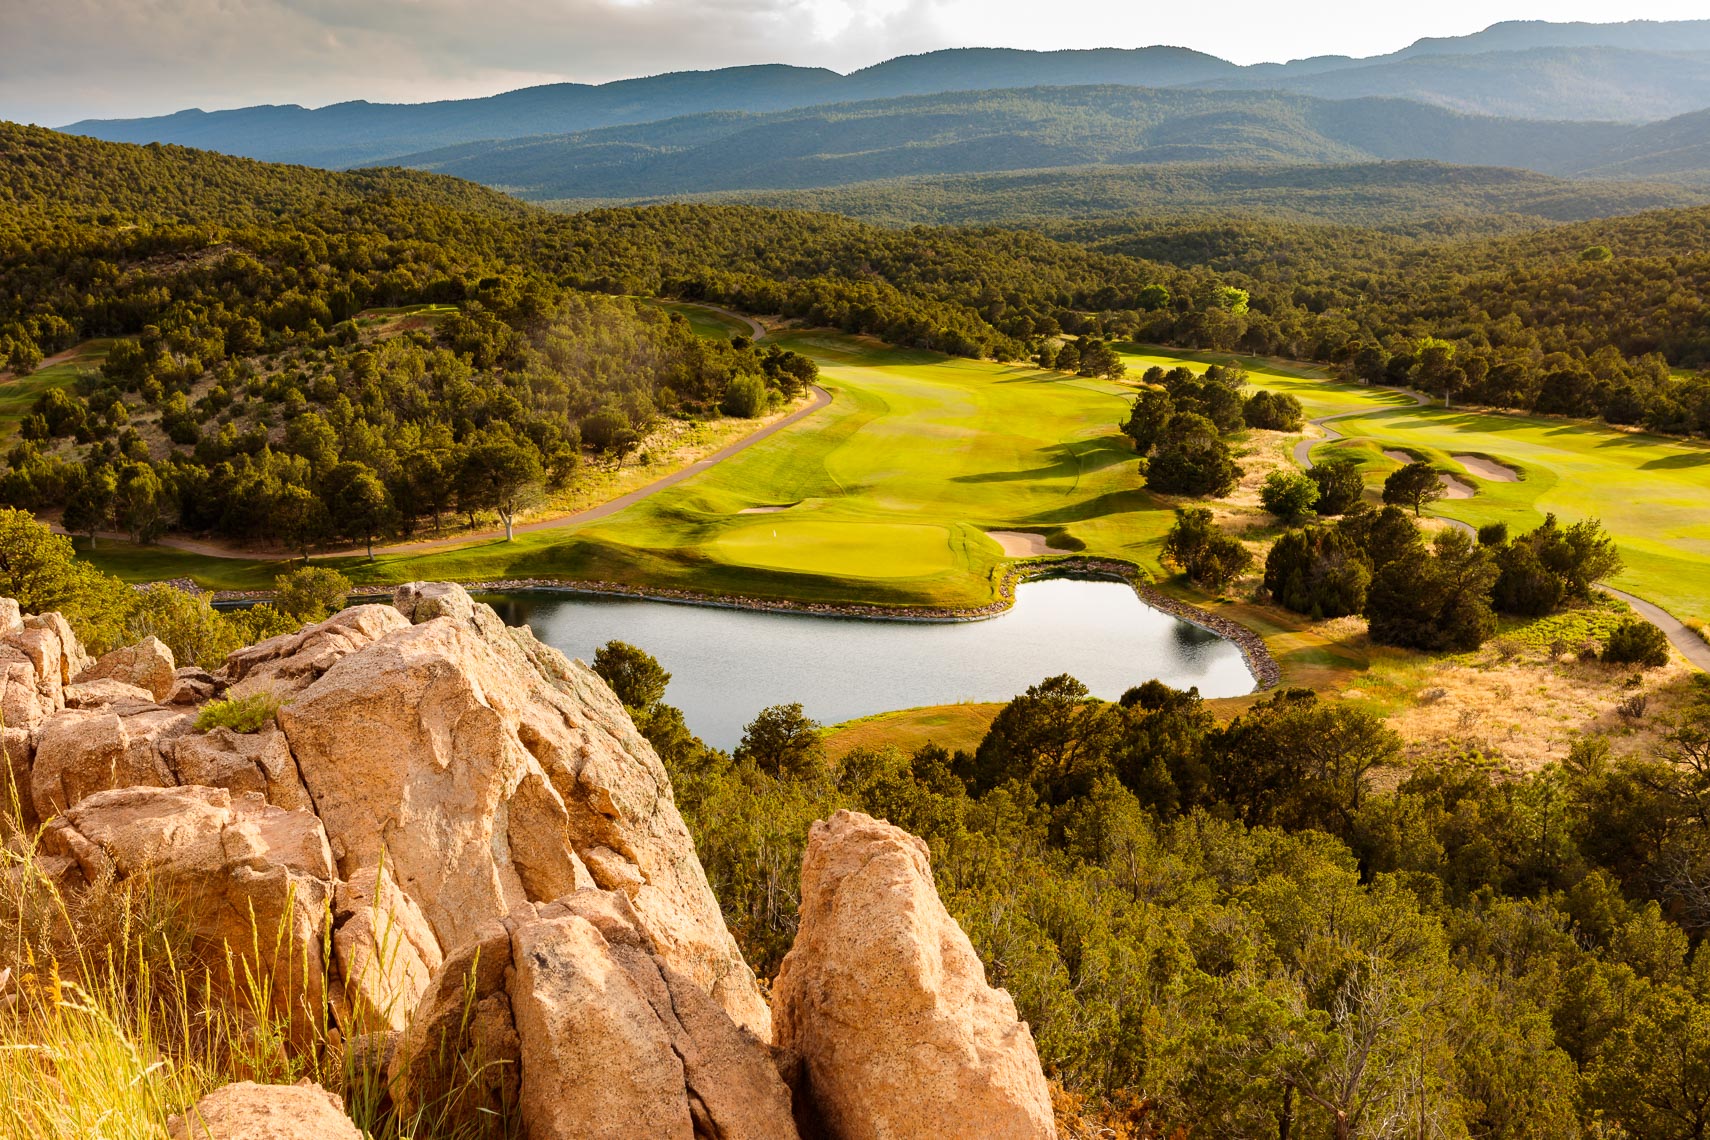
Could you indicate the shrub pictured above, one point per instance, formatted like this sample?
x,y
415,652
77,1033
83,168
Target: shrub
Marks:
x,y
1273,411
310,593
1319,571
1191,459
1288,494
745,398
1205,554
1339,484
240,714
1636,642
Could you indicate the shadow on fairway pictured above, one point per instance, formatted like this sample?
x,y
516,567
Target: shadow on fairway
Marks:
x,y
1066,459
1676,462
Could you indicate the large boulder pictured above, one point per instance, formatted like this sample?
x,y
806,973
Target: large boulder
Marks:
x,y
257,761
605,1039
248,1111
486,771
886,1004
147,665
80,752
385,950
254,881
284,664
39,656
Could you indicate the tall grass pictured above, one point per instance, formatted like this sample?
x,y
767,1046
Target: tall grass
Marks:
x,y
113,1020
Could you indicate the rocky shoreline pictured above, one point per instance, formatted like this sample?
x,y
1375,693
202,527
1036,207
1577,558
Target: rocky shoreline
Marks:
x,y
1265,670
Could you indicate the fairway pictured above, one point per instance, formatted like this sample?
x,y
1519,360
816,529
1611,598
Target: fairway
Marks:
x,y
1651,492
886,494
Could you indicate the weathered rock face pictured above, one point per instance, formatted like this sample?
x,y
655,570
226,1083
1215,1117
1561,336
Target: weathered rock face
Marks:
x,y
242,762
284,664
248,1111
39,656
885,1002
479,766
605,1040
225,859
80,752
386,952
147,665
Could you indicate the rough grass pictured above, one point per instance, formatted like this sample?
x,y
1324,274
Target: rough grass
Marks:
x,y
240,714
113,1020
958,727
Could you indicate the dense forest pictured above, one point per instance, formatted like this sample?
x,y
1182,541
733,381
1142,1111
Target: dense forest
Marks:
x,y
1229,929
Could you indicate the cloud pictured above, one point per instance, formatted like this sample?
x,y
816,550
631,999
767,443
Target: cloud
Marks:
x,y
67,59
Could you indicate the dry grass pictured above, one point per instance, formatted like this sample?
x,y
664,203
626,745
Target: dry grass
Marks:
x,y
1525,707
113,1020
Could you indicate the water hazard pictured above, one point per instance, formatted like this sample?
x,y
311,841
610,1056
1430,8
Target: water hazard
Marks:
x,y
727,664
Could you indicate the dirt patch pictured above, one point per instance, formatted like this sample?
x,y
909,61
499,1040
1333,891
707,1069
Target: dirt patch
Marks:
x,y
1530,712
1022,544
1487,469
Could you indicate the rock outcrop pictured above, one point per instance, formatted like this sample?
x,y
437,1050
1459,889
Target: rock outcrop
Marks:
x,y
603,1038
488,771
451,844
886,1004
237,866
148,665
248,1111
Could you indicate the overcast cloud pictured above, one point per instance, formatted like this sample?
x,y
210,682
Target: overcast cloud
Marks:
x,y
62,60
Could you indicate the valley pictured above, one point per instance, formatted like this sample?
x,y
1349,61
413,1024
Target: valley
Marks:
x,y
1088,594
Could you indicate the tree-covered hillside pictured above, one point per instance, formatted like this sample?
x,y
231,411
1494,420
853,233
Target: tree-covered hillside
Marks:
x,y
1417,198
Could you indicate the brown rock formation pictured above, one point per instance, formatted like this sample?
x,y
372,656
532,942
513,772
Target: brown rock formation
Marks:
x,y
83,751
147,665
242,762
885,1002
244,872
248,1111
609,1041
479,765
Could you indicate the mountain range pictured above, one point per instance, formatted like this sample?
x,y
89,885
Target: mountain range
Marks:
x,y
1633,72
971,132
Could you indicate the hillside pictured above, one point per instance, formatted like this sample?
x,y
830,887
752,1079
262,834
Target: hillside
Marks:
x,y
977,132
1411,197
1619,72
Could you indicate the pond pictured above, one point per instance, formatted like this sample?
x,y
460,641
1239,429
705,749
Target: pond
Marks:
x,y
728,664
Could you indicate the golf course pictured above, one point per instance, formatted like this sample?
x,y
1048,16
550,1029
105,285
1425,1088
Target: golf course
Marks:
x,y
893,493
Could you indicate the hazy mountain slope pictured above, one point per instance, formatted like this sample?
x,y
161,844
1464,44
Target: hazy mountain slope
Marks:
x,y
1046,127
1524,35
1401,197
1543,83
1538,70
357,133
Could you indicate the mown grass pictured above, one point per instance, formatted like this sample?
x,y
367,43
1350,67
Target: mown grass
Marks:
x,y
889,490
19,393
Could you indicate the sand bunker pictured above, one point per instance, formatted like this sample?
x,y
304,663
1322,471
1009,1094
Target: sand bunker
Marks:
x,y
764,510
1453,488
1021,543
1487,469
1401,456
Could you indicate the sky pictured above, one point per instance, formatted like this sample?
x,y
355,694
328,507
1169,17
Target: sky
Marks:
x,y
63,60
